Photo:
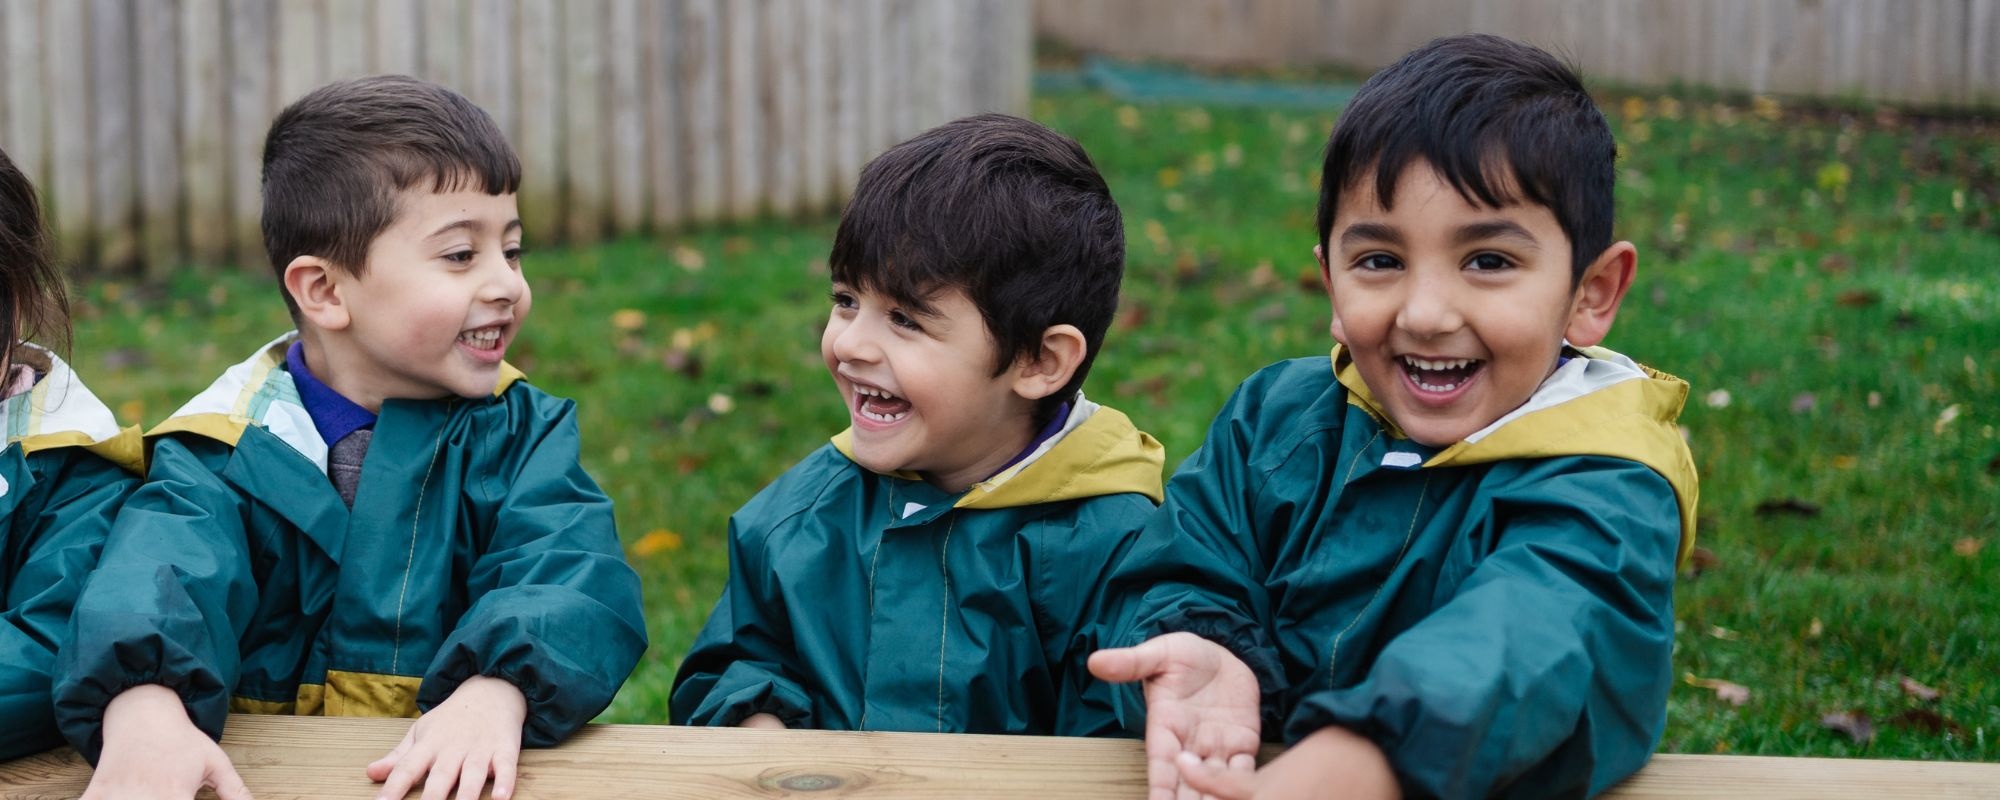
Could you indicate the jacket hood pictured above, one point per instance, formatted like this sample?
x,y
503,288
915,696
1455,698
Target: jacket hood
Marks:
x,y
1098,452
1599,403
61,412
258,391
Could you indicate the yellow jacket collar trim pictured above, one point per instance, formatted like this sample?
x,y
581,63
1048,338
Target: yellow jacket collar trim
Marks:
x,y
61,412
258,391
1603,404
1099,452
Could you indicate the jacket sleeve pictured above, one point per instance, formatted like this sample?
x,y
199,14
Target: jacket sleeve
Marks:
x,y
168,601
1546,672
1073,564
555,609
64,531
1197,566
743,662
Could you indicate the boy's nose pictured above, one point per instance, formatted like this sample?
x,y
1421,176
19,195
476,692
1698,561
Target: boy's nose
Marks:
x,y
504,285
854,342
1430,308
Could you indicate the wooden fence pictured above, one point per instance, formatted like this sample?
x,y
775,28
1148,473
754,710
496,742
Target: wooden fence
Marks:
x,y
143,120
1930,52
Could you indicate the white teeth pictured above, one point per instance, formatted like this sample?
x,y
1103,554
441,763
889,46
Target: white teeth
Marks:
x,y
883,417
870,391
484,338
1427,364
1432,388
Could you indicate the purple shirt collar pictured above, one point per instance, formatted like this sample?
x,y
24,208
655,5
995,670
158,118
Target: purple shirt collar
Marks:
x,y
1049,431
335,416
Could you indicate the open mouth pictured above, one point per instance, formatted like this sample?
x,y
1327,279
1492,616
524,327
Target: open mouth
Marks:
x,y
1440,375
877,405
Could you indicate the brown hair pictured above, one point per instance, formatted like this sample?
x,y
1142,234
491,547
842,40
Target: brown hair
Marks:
x,y
34,304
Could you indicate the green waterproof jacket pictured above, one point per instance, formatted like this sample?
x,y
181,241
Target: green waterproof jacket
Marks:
x,y
1497,615
476,545
859,601
66,469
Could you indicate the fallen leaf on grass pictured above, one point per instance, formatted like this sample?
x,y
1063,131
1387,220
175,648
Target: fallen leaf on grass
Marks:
x,y
1804,402
1718,398
1854,724
689,258
1735,694
1968,546
1789,506
628,319
1725,634
682,361
721,403
1918,690
1926,721
1835,263
1816,629
1944,419
1702,560
657,541
1857,298
1309,281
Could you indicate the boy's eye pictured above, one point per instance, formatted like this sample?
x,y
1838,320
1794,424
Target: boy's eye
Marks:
x,y
514,254
1378,261
460,256
902,320
841,299
1487,262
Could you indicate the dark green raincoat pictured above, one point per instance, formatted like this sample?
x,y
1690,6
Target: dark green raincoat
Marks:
x,y
66,469
859,601
1496,615
477,545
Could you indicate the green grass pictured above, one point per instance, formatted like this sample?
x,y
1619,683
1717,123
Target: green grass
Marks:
x,y
1832,275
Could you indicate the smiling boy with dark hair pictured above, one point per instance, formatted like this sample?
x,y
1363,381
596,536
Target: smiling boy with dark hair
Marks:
x,y
1445,553
935,567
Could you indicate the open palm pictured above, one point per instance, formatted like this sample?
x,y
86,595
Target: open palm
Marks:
x,y
1200,699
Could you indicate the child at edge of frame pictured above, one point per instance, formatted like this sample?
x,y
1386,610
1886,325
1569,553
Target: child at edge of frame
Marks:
x,y
1438,562
936,567
374,514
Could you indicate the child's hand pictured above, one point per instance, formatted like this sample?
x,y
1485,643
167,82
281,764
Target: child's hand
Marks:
x,y
1334,762
152,749
474,733
766,721
1200,699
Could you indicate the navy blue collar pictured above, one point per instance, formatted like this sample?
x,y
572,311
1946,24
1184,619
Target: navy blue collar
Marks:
x,y
334,415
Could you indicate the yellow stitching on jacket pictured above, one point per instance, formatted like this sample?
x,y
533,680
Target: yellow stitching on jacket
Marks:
x,y
396,649
1333,652
944,613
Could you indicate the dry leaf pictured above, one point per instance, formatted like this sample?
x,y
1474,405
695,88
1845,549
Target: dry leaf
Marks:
x,y
1874,399
657,541
1945,418
1926,721
1703,560
1968,546
1790,506
721,403
1725,634
1918,690
689,258
1853,723
1816,629
628,319
1858,298
1804,402
1718,398
1735,694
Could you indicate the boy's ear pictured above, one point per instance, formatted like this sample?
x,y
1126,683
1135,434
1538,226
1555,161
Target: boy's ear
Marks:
x,y
1063,349
310,280
1594,304
1326,279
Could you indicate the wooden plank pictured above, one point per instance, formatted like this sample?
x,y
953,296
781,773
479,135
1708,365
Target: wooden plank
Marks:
x,y
26,90
540,143
67,184
877,46
743,137
665,178
444,42
350,45
489,57
1982,53
583,120
817,98
398,39
157,129
114,156
626,114
323,757
850,124
301,54
701,55
780,100
204,132
252,103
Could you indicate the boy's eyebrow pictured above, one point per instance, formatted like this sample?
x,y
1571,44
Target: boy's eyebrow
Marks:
x,y
472,224
1370,232
1494,229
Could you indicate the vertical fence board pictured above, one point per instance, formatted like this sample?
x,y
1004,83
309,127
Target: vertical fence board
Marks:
x,y
397,37
204,131
880,127
742,138
114,147
444,46
702,119
158,127
851,78
26,90
659,80
626,118
541,104
302,44
780,93
489,61
817,96
1982,53
350,41
252,102
583,119
68,182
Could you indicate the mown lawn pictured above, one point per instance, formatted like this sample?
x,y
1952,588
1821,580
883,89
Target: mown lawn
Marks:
x,y
1825,281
